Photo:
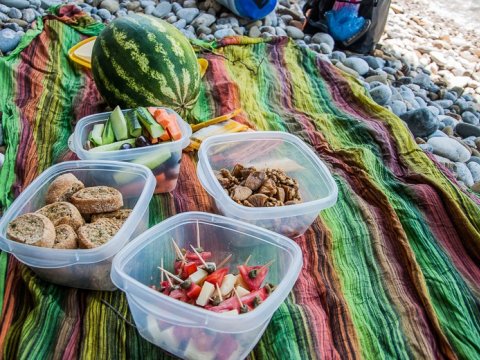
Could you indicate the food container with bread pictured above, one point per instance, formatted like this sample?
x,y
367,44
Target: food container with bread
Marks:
x,y
281,184
193,326
69,222
154,137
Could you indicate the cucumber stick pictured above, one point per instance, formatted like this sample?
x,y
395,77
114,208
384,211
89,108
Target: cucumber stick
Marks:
x,y
95,135
154,129
154,159
119,124
108,136
133,125
114,146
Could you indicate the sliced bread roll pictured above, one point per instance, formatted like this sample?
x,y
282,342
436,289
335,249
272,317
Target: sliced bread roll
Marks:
x,y
120,215
98,233
32,229
66,238
97,200
62,188
62,213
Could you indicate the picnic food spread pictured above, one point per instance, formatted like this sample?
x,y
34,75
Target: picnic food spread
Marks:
x,y
259,188
203,283
150,60
62,223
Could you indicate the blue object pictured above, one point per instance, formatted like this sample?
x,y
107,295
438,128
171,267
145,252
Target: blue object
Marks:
x,y
344,23
250,9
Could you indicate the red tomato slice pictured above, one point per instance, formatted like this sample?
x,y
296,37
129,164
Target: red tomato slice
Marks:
x,y
188,269
256,282
194,291
217,276
190,255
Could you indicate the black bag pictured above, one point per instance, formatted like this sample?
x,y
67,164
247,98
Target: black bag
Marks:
x,y
374,10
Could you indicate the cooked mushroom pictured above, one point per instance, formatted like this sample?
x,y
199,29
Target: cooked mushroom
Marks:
x,y
237,170
240,193
280,194
255,180
268,188
258,200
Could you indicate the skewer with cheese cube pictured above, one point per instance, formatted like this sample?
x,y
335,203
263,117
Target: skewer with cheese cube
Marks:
x,y
228,284
241,291
198,276
207,291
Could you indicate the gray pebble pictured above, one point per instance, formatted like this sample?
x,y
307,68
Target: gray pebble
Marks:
x,y
422,80
463,173
223,33
421,122
280,31
357,64
438,133
338,55
254,32
323,38
15,13
172,19
448,120
449,148
180,24
4,8
111,5
374,62
426,147
466,130
381,94
18,4
9,40
188,14
475,170
294,32
470,118
28,15
204,30
145,3
190,4
149,9
204,20
104,14
398,107
162,9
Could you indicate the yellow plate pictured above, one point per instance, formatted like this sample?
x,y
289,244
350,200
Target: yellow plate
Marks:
x,y
81,53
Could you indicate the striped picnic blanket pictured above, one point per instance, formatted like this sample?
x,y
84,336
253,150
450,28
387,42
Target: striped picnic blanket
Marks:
x,y
391,271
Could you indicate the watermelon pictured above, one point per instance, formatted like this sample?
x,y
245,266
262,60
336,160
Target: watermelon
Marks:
x,y
139,60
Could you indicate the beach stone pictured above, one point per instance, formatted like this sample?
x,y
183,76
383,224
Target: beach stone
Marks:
x,y
381,94
470,118
445,104
448,120
204,20
163,9
28,15
347,69
374,62
338,55
434,110
323,38
15,13
360,66
438,133
4,8
475,159
398,107
426,147
463,173
466,130
294,32
422,80
219,34
2,159
111,5
445,162
9,40
378,78
280,31
180,24
104,14
448,130
18,4
48,3
188,14
421,122
449,148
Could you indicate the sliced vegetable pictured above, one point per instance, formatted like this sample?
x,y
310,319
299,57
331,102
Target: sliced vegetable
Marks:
x,y
228,284
194,291
96,134
242,291
253,276
191,256
233,304
188,269
198,276
217,276
169,123
119,124
108,136
154,159
154,129
133,125
113,147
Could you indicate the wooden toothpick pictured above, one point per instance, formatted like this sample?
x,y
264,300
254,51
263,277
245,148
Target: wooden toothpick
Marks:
x,y
248,259
219,293
238,297
198,236
161,272
199,257
224,261
267,264
168,273
178,251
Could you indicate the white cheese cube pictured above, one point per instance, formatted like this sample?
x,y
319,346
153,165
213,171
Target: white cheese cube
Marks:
x,y
241,291
231,312
193,353
207,291
241,282
228,284
198,276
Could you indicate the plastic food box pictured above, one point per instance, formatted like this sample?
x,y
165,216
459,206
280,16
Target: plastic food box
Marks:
x,y
188,331
82,268
268,149
166,173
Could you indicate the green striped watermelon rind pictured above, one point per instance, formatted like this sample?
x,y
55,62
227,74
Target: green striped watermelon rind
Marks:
x,y
139,60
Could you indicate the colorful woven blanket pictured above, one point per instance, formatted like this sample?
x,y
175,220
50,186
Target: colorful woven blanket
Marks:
x,y
391,271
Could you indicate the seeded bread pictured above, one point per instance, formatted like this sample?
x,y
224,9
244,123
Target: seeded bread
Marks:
x,y
62,188
120,215
32,229
97,200
96,234
62,213
66,238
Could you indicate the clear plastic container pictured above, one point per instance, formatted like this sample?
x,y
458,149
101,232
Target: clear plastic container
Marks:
x,y
82,268
192,332
165,173
268,149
